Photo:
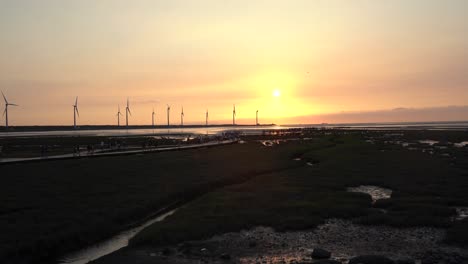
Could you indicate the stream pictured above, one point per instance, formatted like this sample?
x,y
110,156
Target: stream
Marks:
x,y
110,245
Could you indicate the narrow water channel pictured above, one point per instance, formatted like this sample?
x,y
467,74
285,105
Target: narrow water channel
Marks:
x,y
113,244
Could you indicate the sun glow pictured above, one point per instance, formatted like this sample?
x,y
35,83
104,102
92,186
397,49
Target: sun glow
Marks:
x,y
276,93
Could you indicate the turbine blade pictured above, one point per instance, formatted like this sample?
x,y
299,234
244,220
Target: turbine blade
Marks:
x,y
76,101
78,113
13,104
4,112
4,98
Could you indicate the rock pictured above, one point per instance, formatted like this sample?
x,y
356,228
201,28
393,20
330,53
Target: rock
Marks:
x,y
371,259
225,256
328,261
166,252
319,253
436,257
185,248
431,257
405,261
252,244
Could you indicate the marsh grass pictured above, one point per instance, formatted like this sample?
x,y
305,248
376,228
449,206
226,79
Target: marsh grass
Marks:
x,y
424,187
52,207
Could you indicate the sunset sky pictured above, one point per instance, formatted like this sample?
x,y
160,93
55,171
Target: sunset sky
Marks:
x,y
325,58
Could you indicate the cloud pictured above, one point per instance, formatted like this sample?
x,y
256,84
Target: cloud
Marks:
x,y
445,113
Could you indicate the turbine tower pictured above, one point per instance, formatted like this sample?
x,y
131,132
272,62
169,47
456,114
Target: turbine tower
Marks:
x,y
5,113
256,118
118,116
206,118
168,111
234,116
182,117
152,117
127,111
75,112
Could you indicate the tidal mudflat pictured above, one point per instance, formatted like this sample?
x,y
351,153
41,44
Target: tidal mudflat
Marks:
x,y
280,217
249,203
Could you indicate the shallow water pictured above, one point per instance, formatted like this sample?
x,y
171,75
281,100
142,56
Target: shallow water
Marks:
x,y
429,142
375,192
113,244
255,130
461,144
250,130
270,143
462,213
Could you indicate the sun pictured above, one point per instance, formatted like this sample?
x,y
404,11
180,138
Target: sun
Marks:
x,y
276,93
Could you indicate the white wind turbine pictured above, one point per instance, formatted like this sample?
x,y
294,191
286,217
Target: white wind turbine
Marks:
x,y
234,115
5,113
206,118
182,117
256,118
118,116
152,117
127,111
75,112
168,112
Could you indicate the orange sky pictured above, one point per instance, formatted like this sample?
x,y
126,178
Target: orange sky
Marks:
x,y
324,56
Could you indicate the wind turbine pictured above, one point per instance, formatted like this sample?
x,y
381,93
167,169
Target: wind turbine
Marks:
x,y
256,118
234,116
118,116
168,111
152,117
127,111
182,117
5,113
206,117
75,112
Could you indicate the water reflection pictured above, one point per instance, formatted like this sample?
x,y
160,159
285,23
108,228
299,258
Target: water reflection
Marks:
x,y
249,130
375,192
110,245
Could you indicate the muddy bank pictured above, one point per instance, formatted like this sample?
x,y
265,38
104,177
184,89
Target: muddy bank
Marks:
x,y
263,245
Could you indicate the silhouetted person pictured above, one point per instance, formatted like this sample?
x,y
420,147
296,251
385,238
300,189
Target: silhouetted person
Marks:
x,y
76,150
